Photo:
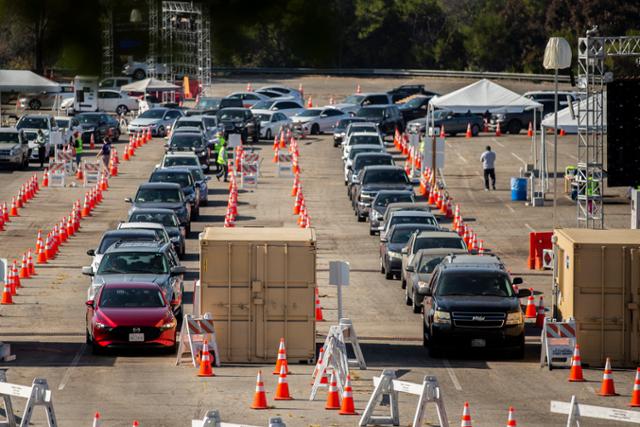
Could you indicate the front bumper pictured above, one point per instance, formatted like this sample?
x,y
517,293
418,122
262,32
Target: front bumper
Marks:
x,y
131,128
446,335
118,337
394,265
11,159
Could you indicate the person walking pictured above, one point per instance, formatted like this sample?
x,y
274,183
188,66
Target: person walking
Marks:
x,y
78,147
105,153
488,159
41,142
220,143
222,163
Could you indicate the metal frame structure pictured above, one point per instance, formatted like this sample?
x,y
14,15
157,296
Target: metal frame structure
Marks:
x,y
592,53
107,43
154,42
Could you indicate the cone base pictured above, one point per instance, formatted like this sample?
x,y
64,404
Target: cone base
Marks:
x,y
206,375
332,408
576,380
634,405
608,394
347,413
283,398
259,407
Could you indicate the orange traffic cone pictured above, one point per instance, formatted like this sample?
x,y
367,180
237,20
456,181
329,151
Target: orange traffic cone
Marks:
x,y
541,313
14,208
530,130
333,399
16,277
45,178
442,133
282,390
135,424
563,132
607,388
24,267
319,317
358,89
259,397
282,359
466,416
530,312
347,407
205,362
511,420
80,174
6,295
635,394
498,132
41,257
575,375
468,134
32,267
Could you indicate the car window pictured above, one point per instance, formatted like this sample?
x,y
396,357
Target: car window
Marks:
x,y
152,114
166,219
107,83
180,161
182,178
263,105
372,161
27,122
131,298
173,114
109,239
438,242
364,139
415,220
386,176
382,200
402,235
183,140
159,195
474,284
428,263
134,263
378,99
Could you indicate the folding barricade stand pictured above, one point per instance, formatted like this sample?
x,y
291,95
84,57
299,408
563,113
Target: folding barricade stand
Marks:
x,y
250,170
576,411
285,166
92,172
67,158
558,341
388,385
193,333
37,395
212,419
334,359
57,174
349,335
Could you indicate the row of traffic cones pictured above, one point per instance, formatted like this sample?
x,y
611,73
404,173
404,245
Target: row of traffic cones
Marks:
x,y
27,192
299,205
232,200
136,140
465,420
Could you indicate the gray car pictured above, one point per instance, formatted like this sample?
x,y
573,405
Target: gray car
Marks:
x,y
418,273
168,219
163,195
140,262
14,148
402,206
391,247
160,120
380,203
182,177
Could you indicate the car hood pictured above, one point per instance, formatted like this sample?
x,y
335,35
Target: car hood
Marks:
x,y
395,247
378,187
304,119
134,316
145,122
86,127
478,304
173,231
162,205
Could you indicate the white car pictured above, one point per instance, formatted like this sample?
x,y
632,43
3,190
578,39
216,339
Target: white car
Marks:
x,y
271,122
369,127
361,138
114,101
285,91
47,100
158,229
318,120
249,99
180,158
66,126
30,124
288,107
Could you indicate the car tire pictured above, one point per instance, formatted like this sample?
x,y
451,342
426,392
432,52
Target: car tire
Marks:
x,y
315,129
267,134
514,127
475,130
414,305
407,300
381,266
34,104
388,275
139,74
371,232
121,110
161,131
361,218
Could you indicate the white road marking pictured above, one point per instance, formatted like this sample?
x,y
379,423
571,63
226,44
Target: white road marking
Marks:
x,y
518,157
452,374
461,157
498,142
590,388
529,227
73,364
510,208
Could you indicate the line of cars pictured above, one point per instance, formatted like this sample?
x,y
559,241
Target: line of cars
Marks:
x,y
135,298
467,301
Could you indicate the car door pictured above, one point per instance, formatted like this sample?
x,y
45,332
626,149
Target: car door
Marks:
x,y
288,108
427,302
170,117
407,251
329,120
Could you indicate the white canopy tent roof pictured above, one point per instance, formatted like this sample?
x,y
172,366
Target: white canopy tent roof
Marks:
x,y
25,81
570,124
484,95
149,85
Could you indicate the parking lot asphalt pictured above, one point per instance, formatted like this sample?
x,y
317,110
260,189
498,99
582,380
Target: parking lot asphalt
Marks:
x,y
46,325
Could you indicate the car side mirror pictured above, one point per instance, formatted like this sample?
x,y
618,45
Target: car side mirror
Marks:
x,y
523,293
517,281
88,270
128,200
91,252
178,270
91,303
426,292
404,251
410,268
383,240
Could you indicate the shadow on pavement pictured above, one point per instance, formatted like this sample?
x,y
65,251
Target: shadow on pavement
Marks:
x,y
53,354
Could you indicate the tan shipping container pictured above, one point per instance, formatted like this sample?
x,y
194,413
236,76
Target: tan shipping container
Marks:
x,y
598,276
259,285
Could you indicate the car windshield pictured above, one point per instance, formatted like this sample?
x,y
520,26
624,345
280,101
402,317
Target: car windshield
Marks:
x,y
108,240
134,263
32,123
263,105
364,139
167,219
210,122
438,242
359,150
402,235
181,178
428,263
186,141
414,220
230,115
372,161
158,195
152,114
353,99
414,103
9,137
440,114
131,298
62,123
371,129
197,174
342,124
207,103
474,284
370,112
189,123
385,199
393,176
310,113
89,119
263,117
181,161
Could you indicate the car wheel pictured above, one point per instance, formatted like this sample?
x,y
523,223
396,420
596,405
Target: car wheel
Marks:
x,y
407,298
381,266
139,74
34,104
475,130
267,134
121,110
388,275
416,308
425,341
371,232
315,129
161,131
361,218
514,127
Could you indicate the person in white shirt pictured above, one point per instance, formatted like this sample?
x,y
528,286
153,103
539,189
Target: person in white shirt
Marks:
x,y
488,159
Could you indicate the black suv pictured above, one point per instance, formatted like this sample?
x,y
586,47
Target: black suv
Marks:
x,y
191,141
240,120
386,117
99,125
372,179
212,104
416,107
470,303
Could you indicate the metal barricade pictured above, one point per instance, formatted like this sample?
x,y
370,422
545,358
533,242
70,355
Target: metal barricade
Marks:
x,y
92,171
195,330
285,165
67,158
37,395
558,341
57,174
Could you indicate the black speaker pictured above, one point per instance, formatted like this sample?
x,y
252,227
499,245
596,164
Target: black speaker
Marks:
x,y
623,132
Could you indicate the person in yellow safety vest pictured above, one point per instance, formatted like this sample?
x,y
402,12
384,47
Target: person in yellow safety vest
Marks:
x,y
221,142
222,162
78,147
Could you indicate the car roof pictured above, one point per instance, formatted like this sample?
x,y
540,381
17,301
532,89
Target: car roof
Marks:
x,y
377,106
189,118
41,116
438,251
160,185
140,224
152,210
370,153
372,93
402,205
473,262
131,285
181,154
262,111
140,246
172,169
438,234
413,213
384,168
412,226
233,109
187,130
128,232
384,192
365,133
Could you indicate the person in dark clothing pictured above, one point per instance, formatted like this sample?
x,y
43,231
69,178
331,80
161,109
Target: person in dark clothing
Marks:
x,y
42,146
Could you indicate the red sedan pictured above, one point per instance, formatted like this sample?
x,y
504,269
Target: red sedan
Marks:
x,y
125,315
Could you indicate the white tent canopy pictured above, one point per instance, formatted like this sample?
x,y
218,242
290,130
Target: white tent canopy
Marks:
x,y
25,81
570,124
484,95
149,85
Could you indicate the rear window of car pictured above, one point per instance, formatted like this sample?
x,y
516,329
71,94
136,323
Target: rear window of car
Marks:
x,y
364,139
385,199
109,240
476,284
181,161
188,123
186,141
166,219
158,195
131,298
393,176
438,242
182,178
402,235
415,220
372,161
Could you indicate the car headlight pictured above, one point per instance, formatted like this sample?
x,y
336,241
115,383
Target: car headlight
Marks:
x,y
515,318
396,255
377,215
440,316
14,151
102,326
170,324
366,197
422,285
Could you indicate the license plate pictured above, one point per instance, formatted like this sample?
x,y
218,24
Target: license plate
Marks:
x,y
136,337
478,343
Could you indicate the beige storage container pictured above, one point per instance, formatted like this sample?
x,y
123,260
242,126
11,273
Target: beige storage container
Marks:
x,y
598,276
259,285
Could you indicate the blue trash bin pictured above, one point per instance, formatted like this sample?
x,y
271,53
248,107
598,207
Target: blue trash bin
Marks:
x,y
518,189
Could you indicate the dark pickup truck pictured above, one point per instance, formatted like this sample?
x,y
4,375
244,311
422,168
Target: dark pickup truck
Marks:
x,y
454,123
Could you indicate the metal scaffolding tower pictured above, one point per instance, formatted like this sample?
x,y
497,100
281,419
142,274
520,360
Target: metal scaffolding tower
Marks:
x,y
154,42
107,43
592,53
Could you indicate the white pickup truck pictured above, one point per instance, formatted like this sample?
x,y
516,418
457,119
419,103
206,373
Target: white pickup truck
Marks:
x,y
29,124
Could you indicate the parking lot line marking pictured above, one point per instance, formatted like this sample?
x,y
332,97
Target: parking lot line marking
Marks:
x,y
498,142
518,157
529,227
452,374
72,365
510,208
461,157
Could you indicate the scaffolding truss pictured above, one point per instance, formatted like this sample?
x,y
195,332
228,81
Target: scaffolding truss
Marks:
x,y
107,43
592,53
154,42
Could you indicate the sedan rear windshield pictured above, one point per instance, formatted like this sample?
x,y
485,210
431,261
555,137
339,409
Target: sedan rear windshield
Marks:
x,y
415,220
186,141
364,139
402,235
393,176
208,103
428,264
361,149
372,161
438,242
109,240
131,298
474,284
385,199
230,115
134,263
158,195
181,178
166,219
180,161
